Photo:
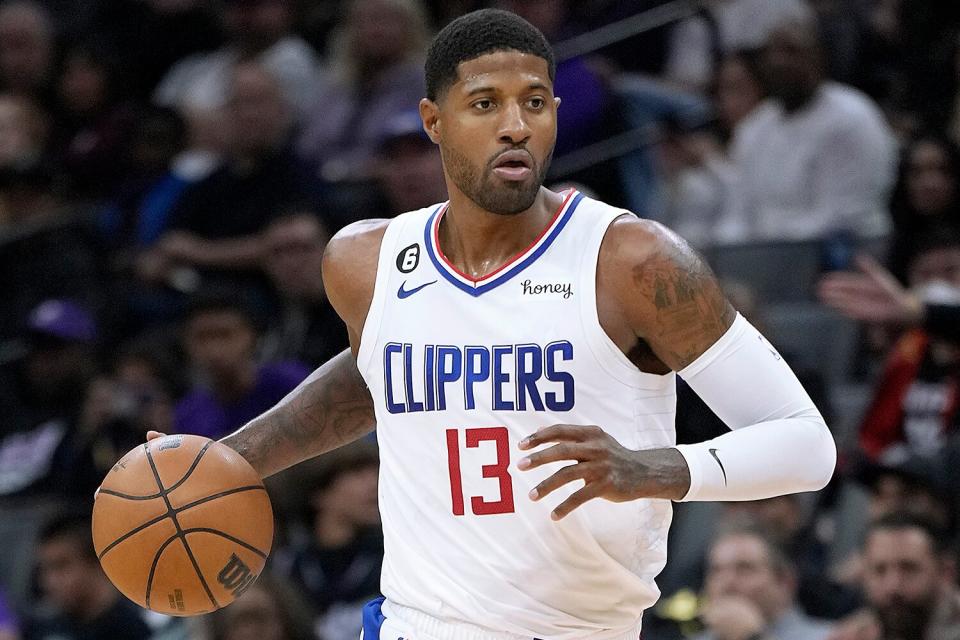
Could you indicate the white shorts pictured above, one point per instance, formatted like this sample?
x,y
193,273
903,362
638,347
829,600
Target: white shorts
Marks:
x,y
389,621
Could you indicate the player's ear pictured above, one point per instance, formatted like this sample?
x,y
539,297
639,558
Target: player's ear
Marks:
x,y
556,102
430,114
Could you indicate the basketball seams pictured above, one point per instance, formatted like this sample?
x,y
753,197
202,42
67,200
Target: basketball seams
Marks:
x,y
176,523
127,496
153,566
193,465
215,496
129,534
226,536
178,510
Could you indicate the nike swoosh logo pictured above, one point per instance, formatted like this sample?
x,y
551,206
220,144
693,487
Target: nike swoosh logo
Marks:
x,y
713,452
406,293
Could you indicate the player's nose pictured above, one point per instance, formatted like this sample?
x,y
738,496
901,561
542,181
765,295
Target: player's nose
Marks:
x,y
514,127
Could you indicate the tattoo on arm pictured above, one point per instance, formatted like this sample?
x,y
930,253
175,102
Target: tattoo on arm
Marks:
x,y
329,409
691,312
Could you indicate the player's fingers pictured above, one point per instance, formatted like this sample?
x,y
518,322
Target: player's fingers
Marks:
x,y
562,451
580,496
559,433
153,435
568,474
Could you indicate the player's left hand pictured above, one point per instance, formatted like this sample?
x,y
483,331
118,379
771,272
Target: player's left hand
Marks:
x,y
610,470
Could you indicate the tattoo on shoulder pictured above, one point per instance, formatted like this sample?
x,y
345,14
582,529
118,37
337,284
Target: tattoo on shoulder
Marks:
x,y
691,312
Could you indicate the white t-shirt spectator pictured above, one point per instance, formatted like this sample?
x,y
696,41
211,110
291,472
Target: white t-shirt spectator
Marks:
x,y
739,24
201,81
802,175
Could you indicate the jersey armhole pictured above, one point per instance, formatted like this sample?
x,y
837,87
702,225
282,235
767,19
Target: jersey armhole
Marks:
x,y
606,352
374,319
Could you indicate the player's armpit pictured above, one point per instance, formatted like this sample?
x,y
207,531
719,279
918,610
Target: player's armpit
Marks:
x,y
329,409
665,291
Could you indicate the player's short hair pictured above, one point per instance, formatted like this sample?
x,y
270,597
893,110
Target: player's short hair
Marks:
x,y
476,34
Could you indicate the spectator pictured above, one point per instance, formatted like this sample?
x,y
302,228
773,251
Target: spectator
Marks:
x,y
8,622
23,131
258,31
27,49
156,178
41,394
306,328
376,70
927,195
215,226
137,395
815,159
913,409
750,592
791,524
738,89
221,337
411,173
338,567
46,250
908,581
94,120
697,44
269,610
81,603
153,35
873,294
695,164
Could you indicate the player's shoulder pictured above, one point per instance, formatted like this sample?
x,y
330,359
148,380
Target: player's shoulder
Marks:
x,y
357,236
350,268
631,242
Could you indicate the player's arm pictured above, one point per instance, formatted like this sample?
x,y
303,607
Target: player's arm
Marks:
x,y
663,293
332,407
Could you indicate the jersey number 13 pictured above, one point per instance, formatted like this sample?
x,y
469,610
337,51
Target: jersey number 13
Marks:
x,y
498,470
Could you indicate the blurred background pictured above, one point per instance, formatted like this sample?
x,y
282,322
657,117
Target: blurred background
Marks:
x,y
171,170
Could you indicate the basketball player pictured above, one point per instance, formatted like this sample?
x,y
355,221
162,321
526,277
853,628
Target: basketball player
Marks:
x,y
516,349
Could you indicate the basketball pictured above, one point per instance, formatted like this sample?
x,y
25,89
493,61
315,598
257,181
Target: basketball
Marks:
x,y
182,525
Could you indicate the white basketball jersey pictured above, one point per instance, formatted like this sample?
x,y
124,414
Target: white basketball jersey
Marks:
x,y
461,370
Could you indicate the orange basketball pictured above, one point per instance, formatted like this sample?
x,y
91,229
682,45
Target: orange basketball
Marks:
x,y
182,525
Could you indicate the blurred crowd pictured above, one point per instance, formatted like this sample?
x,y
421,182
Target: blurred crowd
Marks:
x,y
171,170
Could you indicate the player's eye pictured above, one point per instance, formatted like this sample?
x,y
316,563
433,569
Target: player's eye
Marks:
x,y
483,105
537,103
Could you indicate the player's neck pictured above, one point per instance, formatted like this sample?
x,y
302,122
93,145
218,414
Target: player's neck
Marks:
x,y
478,242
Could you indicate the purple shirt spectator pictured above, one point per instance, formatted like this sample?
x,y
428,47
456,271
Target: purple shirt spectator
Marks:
x,y
8,621
201,413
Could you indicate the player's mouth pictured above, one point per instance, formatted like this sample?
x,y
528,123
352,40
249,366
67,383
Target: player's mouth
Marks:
x,y
513,165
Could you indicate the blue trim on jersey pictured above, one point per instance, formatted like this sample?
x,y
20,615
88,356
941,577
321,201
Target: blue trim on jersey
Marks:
x,y
509,273
372,618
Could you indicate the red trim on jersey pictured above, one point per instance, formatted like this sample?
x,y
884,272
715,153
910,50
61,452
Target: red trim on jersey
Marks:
x,y
515,258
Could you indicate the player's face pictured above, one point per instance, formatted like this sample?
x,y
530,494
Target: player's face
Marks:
x,y
497,126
